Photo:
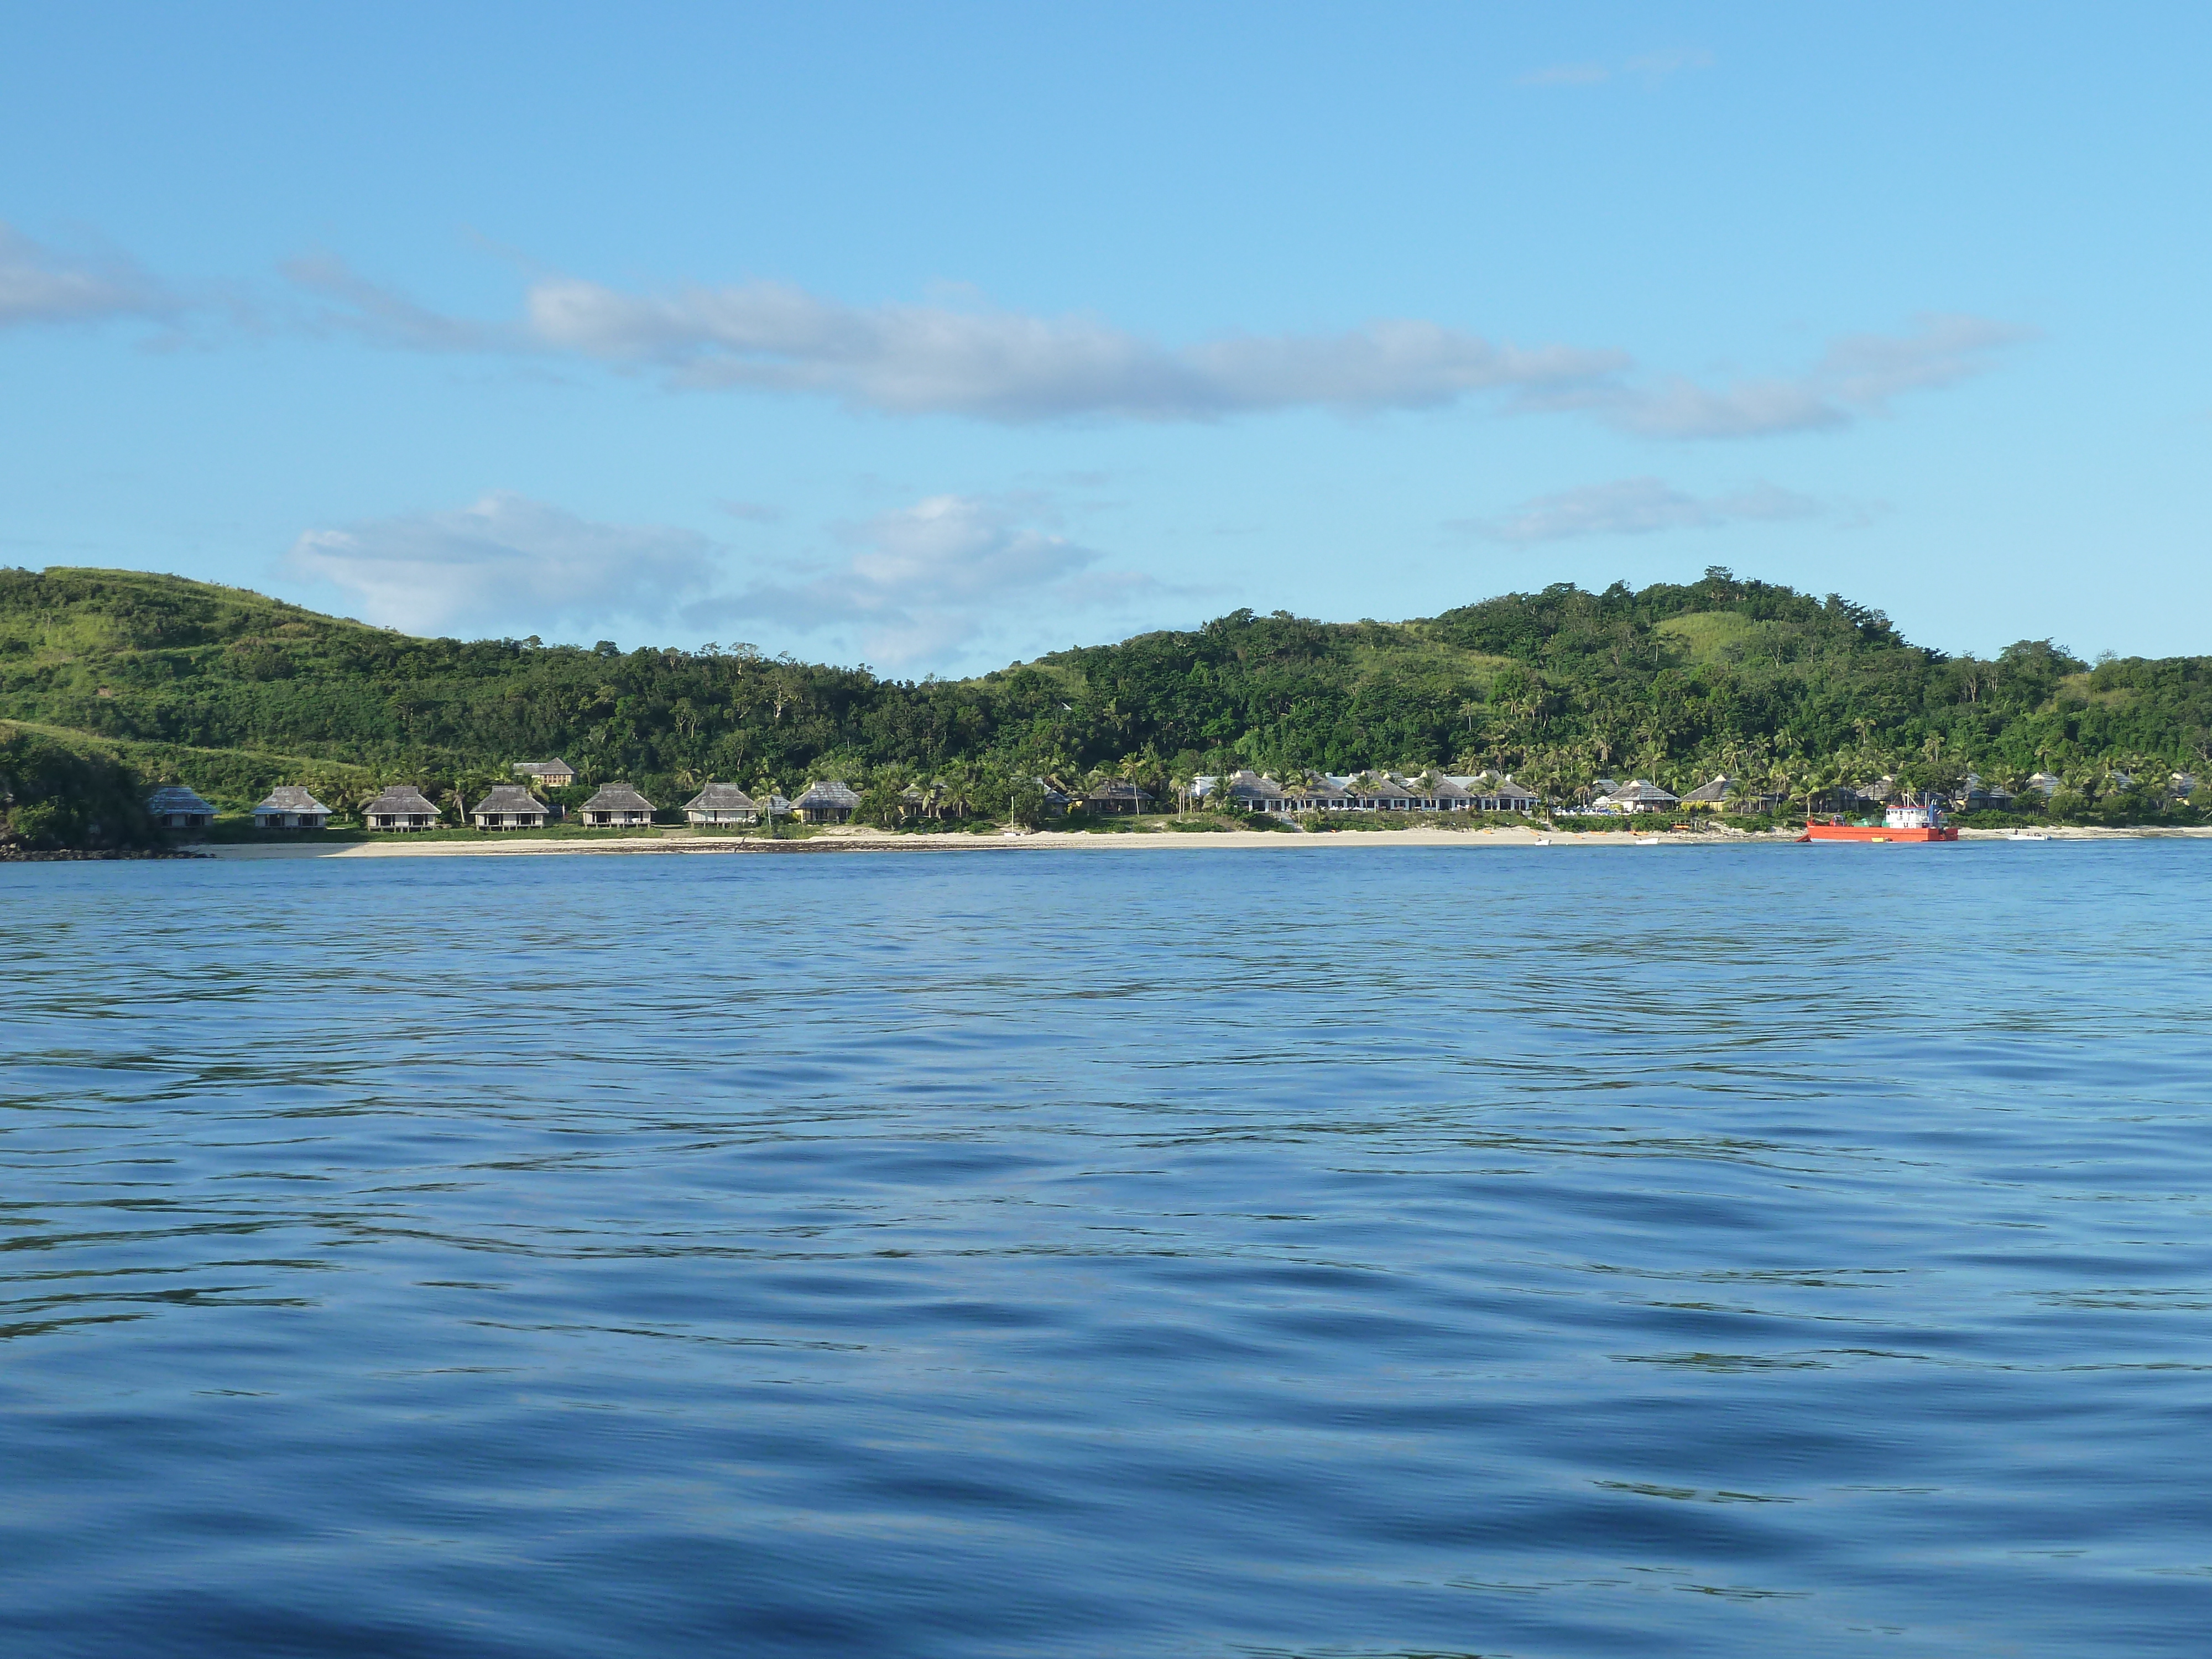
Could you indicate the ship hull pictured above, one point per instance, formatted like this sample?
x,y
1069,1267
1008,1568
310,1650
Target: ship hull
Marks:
x,y
1867,832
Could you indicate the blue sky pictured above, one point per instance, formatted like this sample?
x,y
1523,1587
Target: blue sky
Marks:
x,y
936,337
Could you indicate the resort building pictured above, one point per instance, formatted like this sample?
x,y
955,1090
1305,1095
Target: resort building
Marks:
x,y
617,805
1639,795
1503,795
402,806
722,803
547,775
178,808
1975,796
1378,792
826,801
509,806
1369,791
2046,784
1320,793
1453,794
1115,796
1713,797
1246,789
290,807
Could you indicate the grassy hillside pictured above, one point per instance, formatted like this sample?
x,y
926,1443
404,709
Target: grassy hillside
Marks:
x,y
232,691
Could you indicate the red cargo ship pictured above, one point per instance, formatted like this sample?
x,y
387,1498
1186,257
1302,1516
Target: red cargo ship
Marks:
x,y
1921,822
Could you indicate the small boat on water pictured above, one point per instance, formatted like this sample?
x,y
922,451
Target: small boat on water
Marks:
x,y
1921,822
2027,834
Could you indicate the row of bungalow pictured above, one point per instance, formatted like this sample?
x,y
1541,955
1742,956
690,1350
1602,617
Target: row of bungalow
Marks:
x,y
1368,792
615,806
830,800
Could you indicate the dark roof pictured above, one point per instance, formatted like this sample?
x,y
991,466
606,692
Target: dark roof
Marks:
x,y
400,800
828,792
539,768
722,798
1116,789
1710,794
291,798
1641,789
175,798
508,797
613,798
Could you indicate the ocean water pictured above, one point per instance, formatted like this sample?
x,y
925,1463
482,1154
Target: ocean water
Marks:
x,y
1311,1251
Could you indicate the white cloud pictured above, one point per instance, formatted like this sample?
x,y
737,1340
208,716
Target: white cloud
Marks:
x,y
1858,375
39,284
999,365
357,306
925,580
1639,506
990,364
1650,68
985,362
508,564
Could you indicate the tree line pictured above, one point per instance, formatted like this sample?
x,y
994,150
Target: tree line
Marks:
x,y
1783,690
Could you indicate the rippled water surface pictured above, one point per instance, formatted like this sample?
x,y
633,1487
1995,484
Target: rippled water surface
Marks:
x,y
1375,1250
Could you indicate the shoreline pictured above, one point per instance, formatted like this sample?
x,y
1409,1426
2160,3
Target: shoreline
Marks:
x,y
1053,840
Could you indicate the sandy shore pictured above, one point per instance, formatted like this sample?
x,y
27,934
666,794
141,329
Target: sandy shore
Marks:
x,y
866,841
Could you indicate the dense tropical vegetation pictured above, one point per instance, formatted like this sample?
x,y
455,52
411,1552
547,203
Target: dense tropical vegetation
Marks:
x,y
150,679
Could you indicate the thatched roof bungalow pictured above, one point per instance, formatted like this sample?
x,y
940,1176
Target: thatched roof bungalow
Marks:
x,y
615,805
401,806
509,806
547,775
289,806
1379,792
1319,794
1710,796
1503,795
176,807
1114,795
1640,795
826,801
722,803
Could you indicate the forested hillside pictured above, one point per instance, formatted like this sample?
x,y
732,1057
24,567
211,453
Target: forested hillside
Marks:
x,y
232,691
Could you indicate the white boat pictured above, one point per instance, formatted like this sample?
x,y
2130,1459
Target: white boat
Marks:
x,y
2027,834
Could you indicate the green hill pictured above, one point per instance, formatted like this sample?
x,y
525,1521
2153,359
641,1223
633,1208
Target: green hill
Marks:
x,y
174,680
